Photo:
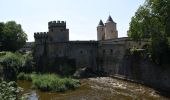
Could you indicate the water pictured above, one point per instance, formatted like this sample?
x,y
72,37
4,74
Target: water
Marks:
x,y
101,88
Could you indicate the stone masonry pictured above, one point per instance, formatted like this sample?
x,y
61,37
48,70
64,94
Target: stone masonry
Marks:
x,y
108,54
54,45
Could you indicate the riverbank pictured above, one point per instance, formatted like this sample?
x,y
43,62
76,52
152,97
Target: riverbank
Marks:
x,y
99,88
160,91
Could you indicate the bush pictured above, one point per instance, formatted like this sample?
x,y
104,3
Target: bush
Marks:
x,y
10,91
27,63
50,82
23,76
71,83
11,62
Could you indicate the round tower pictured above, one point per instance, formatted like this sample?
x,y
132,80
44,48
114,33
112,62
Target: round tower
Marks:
x,y
110,29
100,31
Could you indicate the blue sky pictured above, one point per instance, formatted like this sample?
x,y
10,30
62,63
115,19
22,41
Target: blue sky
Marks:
x,y
82,16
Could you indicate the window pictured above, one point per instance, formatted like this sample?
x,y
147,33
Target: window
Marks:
x,y
111,51
104,51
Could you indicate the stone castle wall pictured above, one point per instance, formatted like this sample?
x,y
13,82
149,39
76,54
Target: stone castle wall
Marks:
x,y
107,56
82,51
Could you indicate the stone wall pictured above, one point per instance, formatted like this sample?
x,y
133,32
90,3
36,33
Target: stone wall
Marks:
x,y
108,56
114,60
81,53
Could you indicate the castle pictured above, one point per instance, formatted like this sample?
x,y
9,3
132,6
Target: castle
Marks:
x,y
54,50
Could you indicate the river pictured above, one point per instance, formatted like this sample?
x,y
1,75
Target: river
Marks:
x,y
100,88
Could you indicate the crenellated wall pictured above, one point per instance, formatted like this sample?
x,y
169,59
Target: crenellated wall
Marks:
x,y
53,51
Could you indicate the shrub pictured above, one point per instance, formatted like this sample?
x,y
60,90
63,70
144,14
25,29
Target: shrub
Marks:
x,y
27,63
23,76
71,83
50,82
10,91
11,63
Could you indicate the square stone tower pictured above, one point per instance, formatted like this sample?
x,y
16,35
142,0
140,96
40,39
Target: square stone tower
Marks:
x,y
58,31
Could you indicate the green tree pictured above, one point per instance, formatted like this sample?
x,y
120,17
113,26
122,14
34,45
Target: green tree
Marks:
x,y
139,28
152,21
10,63
1,34
12,36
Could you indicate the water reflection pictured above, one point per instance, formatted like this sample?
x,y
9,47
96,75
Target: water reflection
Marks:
x,y
101,88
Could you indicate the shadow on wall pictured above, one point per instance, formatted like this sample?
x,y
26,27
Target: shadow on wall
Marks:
x,y
61,65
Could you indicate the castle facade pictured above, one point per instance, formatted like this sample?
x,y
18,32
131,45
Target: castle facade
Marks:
x,y
53,50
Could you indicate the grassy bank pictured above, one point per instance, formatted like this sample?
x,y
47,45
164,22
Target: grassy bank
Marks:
x,y
50,82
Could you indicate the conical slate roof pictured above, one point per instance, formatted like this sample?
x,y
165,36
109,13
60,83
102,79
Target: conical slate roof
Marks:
x,y
101,23
109,19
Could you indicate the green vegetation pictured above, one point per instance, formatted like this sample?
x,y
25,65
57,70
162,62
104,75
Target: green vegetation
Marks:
x,y
27,63
50,82
10,64
152,22
12,36
13,63
10,91
24,76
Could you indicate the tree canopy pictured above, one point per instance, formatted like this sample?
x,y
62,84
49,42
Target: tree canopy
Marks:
x,y
152,21
12,36
152,18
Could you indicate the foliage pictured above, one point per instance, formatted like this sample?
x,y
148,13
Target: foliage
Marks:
x,y
12,36
10,91
27,63
50,82
152,21
24,76
13,63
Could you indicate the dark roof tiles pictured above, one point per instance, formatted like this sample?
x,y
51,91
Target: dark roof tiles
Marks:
x,y
101,23
109,19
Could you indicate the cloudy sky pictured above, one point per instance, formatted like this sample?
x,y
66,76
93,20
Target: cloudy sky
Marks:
x,y
82,16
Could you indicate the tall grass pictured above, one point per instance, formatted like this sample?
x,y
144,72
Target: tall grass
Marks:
x,y
50,82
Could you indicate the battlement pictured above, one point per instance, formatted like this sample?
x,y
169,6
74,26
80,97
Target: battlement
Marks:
x,y
38,35
57,24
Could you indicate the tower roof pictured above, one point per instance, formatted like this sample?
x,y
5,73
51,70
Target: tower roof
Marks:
x,y
101,23
109,19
